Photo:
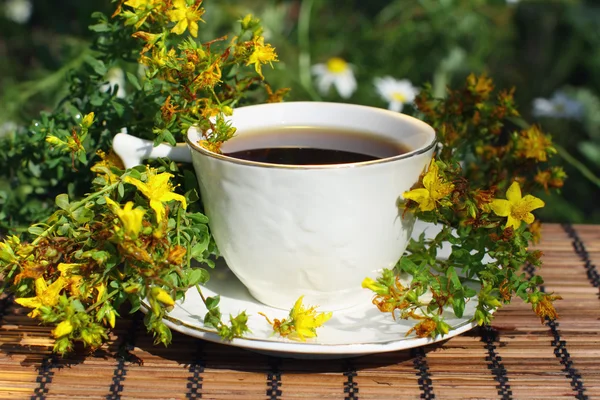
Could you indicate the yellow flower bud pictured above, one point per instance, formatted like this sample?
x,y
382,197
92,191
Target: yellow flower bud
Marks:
x,y
101,290
376,287
132,288
87,337
246,21
87,120
443,327
369,283
63,329
54,141
161,295
111,318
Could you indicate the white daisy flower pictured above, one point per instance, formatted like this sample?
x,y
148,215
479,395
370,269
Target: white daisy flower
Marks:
x,y
7,128
336,72
558,106
115,76
18,10
396,92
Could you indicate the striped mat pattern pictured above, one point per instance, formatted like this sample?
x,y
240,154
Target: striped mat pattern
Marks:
x,y
516,358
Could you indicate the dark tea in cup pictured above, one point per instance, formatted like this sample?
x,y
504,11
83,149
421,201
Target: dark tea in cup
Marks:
x,y
308,145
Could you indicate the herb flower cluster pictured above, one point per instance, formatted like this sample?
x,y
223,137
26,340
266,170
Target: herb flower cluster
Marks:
x,y
473,187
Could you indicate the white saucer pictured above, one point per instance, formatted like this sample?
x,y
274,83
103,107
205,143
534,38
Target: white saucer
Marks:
x,y
355,331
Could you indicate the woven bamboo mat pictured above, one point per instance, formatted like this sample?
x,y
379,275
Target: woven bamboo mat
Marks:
x,y
517,357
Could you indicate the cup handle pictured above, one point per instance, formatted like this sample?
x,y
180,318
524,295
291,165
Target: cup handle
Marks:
x,y
133,150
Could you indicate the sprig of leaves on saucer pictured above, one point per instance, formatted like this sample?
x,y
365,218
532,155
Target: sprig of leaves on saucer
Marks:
x,y
133,237
474,188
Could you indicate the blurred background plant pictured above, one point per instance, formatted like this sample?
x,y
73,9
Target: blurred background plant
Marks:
x,y
376,52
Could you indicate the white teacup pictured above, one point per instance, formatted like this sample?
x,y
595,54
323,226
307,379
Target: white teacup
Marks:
x,y
318,231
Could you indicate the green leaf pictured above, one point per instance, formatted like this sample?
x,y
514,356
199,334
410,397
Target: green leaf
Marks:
x,y
135,303
134,81
211,320
72,110
62,201
407,265
198,276
168,137
198,218
99,28
198,250
591,151
97,65
213,302
64,229
453,277
77,306
82,215
99,16
35,230
469,292
458,305
119,108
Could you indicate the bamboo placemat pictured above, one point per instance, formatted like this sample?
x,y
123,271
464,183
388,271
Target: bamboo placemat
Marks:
x,y
517,357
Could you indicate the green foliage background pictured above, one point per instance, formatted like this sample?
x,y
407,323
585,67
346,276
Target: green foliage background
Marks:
x,y
539,47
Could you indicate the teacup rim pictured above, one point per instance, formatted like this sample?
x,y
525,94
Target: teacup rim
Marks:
x,y
418,151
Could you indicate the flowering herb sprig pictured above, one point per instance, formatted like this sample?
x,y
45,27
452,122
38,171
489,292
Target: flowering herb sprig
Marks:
x,y
202,81
139,237
120,244
473,188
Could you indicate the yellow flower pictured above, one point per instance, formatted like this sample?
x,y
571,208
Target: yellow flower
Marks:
x,y
143,9
62,329
130,218
186,17
104,166
157,189
534,144
211,75
140,4
306,320
262,54
302,324
73,281
433,192
44,295
516,208
480,85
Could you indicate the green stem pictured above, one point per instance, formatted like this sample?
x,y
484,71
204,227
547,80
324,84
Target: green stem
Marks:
x,y
73,207
201,294
583,170
80,203
304,44
30,89
96,304
44,234
178,225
